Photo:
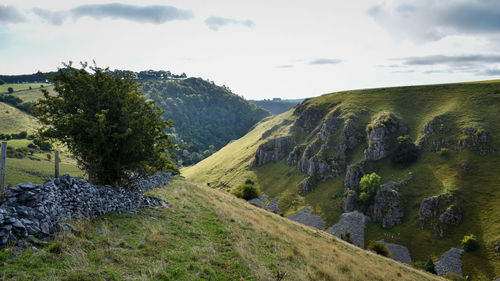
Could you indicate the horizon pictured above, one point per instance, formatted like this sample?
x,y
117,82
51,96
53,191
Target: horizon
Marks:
x,y
262,50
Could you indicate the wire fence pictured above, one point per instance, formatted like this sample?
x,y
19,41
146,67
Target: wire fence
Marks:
x,y
35,168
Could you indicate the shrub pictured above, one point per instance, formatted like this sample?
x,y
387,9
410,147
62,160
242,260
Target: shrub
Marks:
x,y
246,191
249,181
406,152
469,243
380,248
429,266
369,185
10,90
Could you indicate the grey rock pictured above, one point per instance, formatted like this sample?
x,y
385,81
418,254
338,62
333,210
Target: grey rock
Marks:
x,y
273,150
440,213
387,207
306,218
354,224
307,185
399,253
350,201
383,130
353,175
260,201
273,206
435,134
449,262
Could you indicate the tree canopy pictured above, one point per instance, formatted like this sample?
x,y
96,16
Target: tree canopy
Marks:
x,y
106,122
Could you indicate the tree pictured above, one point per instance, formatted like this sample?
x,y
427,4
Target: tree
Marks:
x,y
2,82
10,90
106,122
369,185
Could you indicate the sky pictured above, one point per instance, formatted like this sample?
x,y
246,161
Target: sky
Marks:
x,y
262,49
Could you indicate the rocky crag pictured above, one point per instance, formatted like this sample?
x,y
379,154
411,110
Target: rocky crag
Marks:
x,y
440,213
31,211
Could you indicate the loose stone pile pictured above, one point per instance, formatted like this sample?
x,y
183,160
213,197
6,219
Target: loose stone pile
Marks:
x,y
41,210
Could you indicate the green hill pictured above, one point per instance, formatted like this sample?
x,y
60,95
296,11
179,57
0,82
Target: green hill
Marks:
x,y
205,115
276,105
204,235
304,155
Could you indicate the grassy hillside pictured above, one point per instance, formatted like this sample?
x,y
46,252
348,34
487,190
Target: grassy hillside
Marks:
x,y
276,106
468,105
14,120
205,235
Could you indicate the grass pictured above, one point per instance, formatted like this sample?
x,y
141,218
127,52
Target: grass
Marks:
x,y
21,86
33,95
15,120
464,105
205,235
38,168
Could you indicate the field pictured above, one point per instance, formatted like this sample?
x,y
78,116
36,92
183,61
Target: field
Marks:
x,y
22,86
15,121
471,105
205,235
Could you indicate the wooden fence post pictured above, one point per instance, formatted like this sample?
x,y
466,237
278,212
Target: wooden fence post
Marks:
x,y
3,158
57,163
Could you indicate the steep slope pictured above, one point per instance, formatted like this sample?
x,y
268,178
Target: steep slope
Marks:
x,y
205,115
276,106
204,235
13,120
315,154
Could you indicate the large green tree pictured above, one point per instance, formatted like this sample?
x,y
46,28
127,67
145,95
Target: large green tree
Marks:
x,y
106,122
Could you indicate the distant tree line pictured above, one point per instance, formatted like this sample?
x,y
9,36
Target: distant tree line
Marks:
x,y
206,116
27,78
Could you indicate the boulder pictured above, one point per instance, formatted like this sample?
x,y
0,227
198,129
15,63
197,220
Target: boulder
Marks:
x,y
449,262
306,218
259,202
399,253
353,175
350,201
352,223
273,206
387,207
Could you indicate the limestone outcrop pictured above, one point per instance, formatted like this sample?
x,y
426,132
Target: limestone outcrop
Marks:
x,y
440,213
353,175
435,134
387,207
273,150
380,134
400,253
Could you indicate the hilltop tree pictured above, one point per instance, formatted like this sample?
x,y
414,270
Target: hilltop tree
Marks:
x,y
106,122
10,90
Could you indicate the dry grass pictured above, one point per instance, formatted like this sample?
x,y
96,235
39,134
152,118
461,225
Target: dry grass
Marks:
x,y
303,253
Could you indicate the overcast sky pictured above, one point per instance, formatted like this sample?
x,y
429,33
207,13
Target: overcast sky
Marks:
x,y
262,49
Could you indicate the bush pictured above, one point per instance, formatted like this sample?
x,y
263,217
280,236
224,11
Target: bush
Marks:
x,y
380,248
249,181
246,191
469,243
406,152
429,266
369,185
10,90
